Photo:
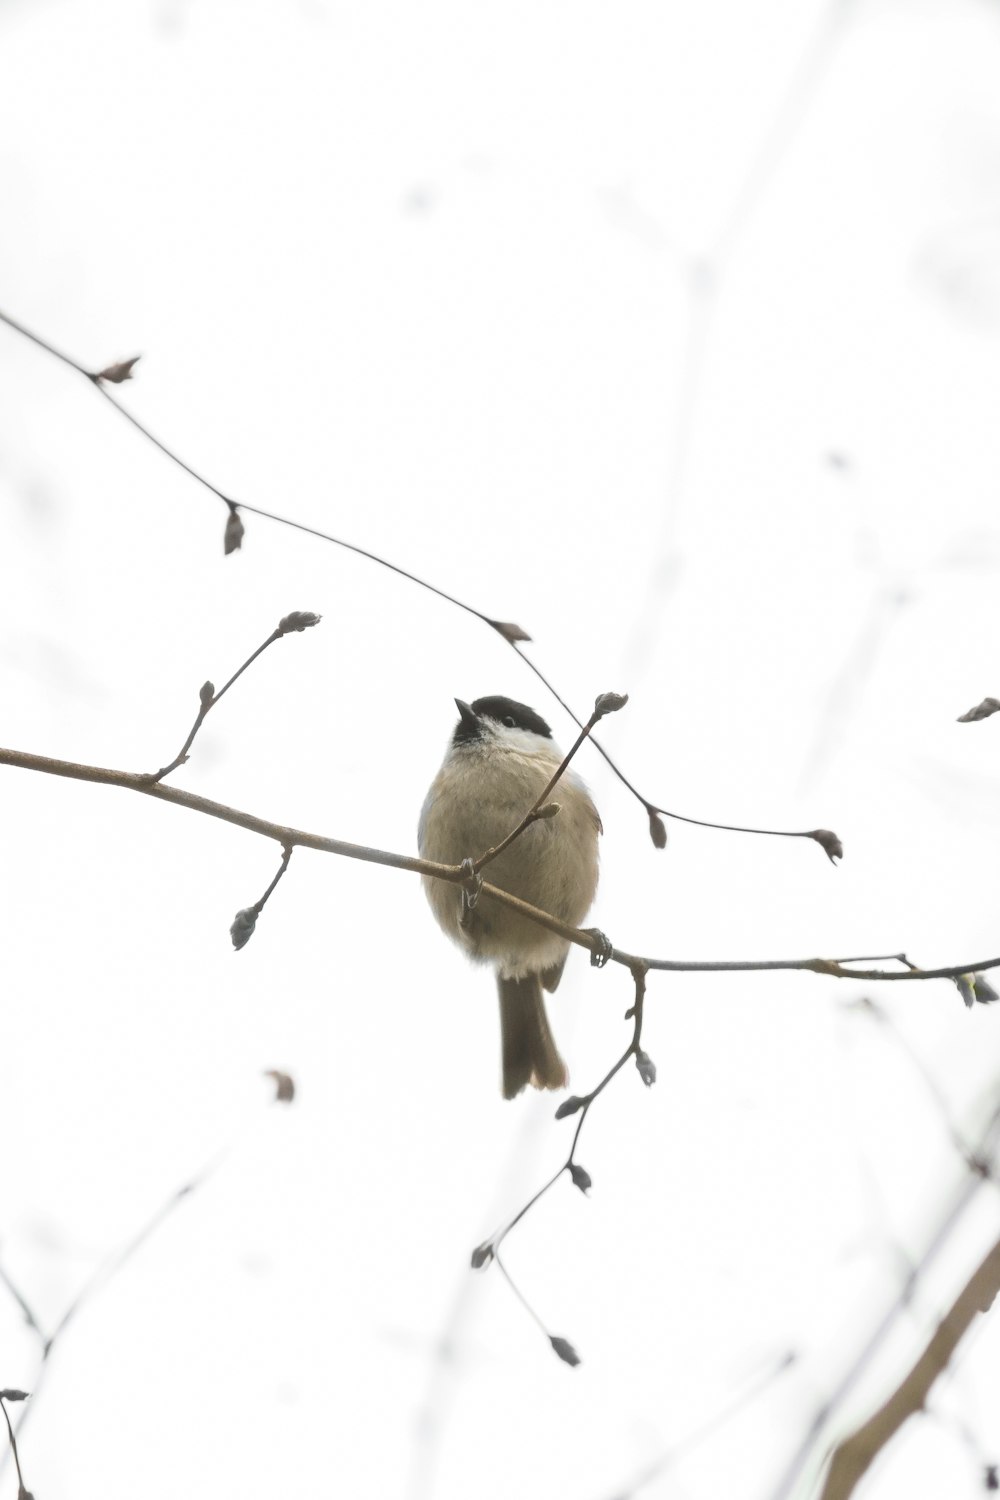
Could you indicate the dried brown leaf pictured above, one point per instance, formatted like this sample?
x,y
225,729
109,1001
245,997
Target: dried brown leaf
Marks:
x,y
284,1091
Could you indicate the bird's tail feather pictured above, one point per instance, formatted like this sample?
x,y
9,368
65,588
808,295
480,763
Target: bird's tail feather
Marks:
x,y
529,1052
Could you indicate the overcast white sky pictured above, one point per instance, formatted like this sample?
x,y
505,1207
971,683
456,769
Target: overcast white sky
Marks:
x,y
672,333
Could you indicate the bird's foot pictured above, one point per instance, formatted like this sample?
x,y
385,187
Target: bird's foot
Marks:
x,y
472,885
603,951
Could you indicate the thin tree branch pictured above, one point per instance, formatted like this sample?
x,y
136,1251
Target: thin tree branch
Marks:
x,y
22,1492
489,1250
854,1455
967,1192
297,621
457,875
607,703
511,633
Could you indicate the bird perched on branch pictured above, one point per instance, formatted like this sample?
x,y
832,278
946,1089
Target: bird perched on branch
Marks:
x,y
499,762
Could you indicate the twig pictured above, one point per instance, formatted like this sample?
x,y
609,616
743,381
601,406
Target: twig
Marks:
x,y
107,1271
854,1454
22,1492
489,1250
245,921
456,874
694,1440
967,1192
298,620
607,703
511,633
827,840
24,1305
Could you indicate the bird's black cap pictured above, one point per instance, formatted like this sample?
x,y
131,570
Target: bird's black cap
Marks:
x,y
503,710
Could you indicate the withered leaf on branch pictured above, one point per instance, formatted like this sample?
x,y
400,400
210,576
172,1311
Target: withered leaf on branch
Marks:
x,y
509,631
244,923
14,1395
565,1350
981,711
122,370
657,829
284,1085
232,538
829,842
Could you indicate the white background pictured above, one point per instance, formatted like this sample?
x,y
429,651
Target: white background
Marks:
x,y
670,332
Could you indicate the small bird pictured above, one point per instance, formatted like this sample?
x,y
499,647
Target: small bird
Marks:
x,y
500,759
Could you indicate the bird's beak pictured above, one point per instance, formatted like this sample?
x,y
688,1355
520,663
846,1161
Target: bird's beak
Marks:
x,y
469,715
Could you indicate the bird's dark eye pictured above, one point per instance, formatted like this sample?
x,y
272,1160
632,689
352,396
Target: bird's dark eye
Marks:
x,y
510,723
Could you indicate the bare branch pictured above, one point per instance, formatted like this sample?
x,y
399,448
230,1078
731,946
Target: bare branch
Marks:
x,y
22,1492
245,921
607,703
513,634
593,941
297,621
489,1250
855,1454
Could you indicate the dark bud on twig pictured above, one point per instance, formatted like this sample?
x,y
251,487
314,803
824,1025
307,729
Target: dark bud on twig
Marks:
x,y
11,1395
232,538
657,829
646,1066
981,711
482,1255
284,1085
991,1479
550,810
206,694
243,925
581,1177
829,842
565,1350
116,373
299,619
609,703
510,633
23,1494
569,1107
